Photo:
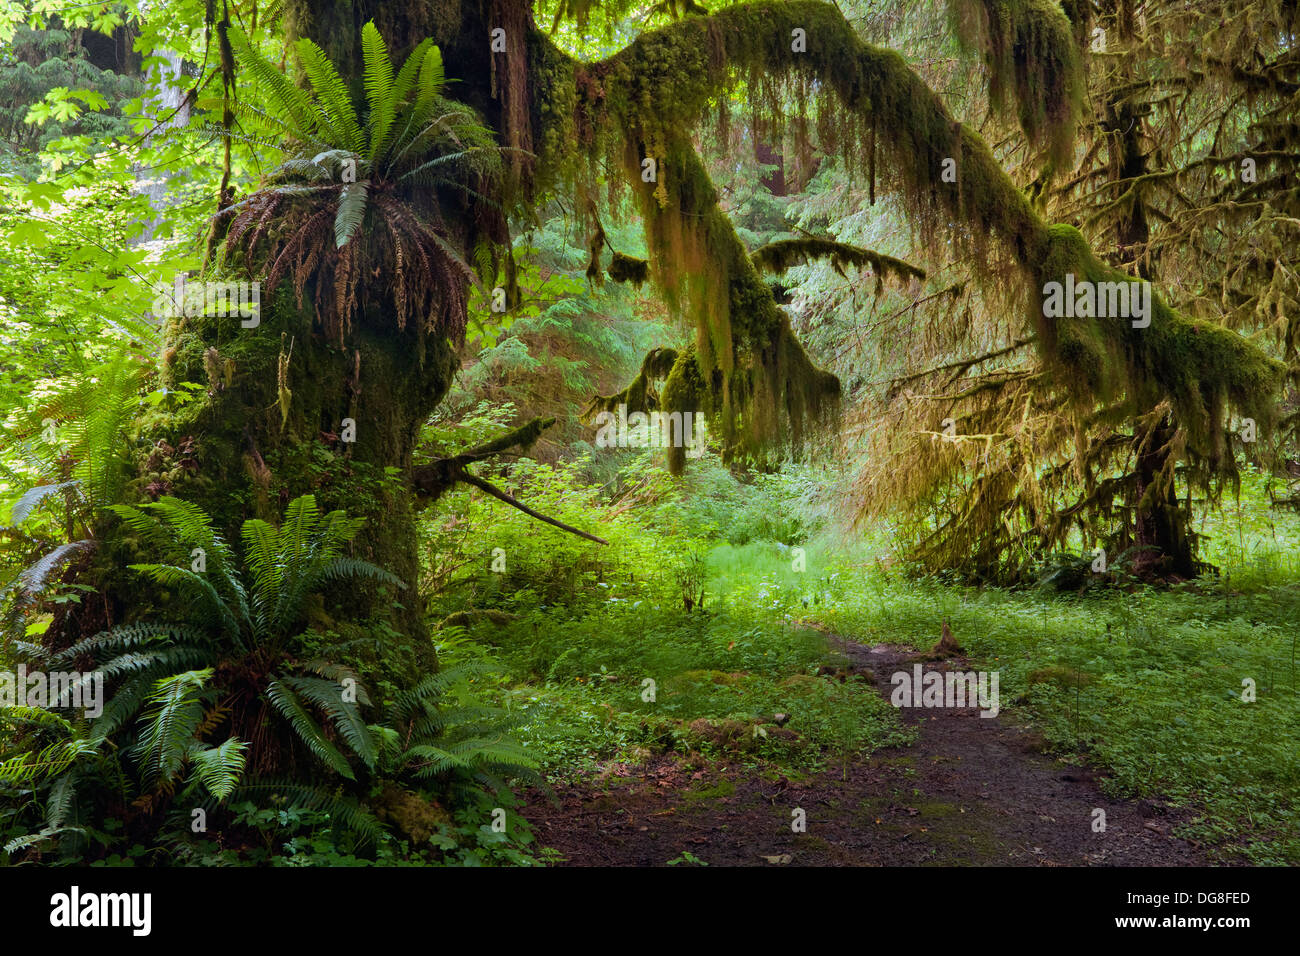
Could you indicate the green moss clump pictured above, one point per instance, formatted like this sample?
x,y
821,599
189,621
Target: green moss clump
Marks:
x,y
624,268
777,257
1198,367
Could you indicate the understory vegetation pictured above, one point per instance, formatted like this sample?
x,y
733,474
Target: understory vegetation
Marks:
x,y
1143,682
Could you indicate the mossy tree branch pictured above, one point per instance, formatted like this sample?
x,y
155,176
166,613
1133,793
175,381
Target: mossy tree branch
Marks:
x,y
776,257
662,84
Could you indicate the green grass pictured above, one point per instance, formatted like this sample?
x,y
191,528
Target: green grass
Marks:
x,y
581,685
1161,708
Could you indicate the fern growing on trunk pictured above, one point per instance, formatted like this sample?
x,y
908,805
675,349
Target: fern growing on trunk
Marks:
x,y
364,193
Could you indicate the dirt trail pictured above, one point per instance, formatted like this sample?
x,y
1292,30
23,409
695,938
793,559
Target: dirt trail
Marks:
x,y
970,790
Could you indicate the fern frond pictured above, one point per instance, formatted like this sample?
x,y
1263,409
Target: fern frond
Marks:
x,y
305,547
356,568
290,707
300,169
332,95
28,586
30,839
164,659
31,498
427,692
328,696
333,160
352,210
99,437
419,131
187,526
346,812
477,754
59,803
218,769
199,588
252,139
380,91
130,635
420,174
429,85
407,76
35,717
50,761
151,532
292,101
433,760
36,577
125,703
293,139
262,562
339,673
388,742
465,720
168,728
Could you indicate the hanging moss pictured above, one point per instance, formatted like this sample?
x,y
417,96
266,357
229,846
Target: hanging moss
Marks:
x,y
765,391
685,391
1199,367
629,269
556,80
640,395
595,249
640,102
1030,50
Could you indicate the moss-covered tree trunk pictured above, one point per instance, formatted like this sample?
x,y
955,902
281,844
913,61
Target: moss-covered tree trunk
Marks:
x,y
288,412
288,409
1159,524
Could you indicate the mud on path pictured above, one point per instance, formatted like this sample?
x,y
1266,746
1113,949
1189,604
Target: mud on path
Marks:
x,y
970,790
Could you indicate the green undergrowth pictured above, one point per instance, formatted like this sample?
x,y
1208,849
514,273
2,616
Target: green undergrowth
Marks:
x,y
1143,683
621,653
627,681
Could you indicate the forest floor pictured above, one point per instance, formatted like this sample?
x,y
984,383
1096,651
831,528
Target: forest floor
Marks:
x,y
970,790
